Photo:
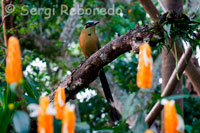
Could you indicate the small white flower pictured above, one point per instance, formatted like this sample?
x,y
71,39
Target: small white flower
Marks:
x,y
34,109
181,124
164,101
71,107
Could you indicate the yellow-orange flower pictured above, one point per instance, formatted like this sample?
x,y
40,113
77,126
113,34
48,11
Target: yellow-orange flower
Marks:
x,y
13,61
59,102
148,131
45,120
129,11
69,119
144,72
170,116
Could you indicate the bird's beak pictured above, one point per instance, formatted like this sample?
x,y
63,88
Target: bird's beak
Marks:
x,y
95,23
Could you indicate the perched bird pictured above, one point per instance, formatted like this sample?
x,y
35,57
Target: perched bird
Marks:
x,y
89,44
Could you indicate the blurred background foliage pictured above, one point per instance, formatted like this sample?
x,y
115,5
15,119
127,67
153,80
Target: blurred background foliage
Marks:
x,y
44,73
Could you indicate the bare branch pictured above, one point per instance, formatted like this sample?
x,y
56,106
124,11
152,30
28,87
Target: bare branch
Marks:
x,y
150,9
3,21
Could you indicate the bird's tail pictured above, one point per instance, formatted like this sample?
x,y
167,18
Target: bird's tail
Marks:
x,y
114,114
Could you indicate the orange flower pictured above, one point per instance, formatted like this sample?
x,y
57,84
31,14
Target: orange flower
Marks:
x,y
144,73
69,120
148,131
59,102
129,11
170,116
45,120
13,61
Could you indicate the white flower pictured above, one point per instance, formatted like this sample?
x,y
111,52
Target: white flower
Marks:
x,y
181,124
71,107
34,109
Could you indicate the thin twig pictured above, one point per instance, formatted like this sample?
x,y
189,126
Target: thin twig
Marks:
x,y
4,24
4,59
3,19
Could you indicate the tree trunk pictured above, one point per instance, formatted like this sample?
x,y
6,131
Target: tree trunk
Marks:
x,y
168,61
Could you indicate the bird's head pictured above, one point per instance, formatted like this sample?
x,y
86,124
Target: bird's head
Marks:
x,y
90,24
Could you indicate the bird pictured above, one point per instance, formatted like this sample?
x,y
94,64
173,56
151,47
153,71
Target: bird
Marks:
x,y
89,44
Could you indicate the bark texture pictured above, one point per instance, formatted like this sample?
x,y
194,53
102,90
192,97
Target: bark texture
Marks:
x,y
150,9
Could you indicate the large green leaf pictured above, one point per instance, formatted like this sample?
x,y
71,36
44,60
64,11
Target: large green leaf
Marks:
x,y
127,107
21,122
57,124
29,89
140,125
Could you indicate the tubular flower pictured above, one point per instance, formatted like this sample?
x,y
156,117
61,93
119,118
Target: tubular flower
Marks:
x,y
148,131
45,120
144,72
173,123
13,61
59,102
69,119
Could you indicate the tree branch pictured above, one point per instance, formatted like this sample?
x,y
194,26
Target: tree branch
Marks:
x,y
3,21
150,9
88,71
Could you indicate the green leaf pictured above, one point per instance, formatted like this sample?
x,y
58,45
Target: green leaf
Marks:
x,y
2,69
167,29
178,110
166,38
57,124
188,128
83,127
3,46
21,122
177,97
140,125
29,89
177,76
127,106
5,117
104,131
